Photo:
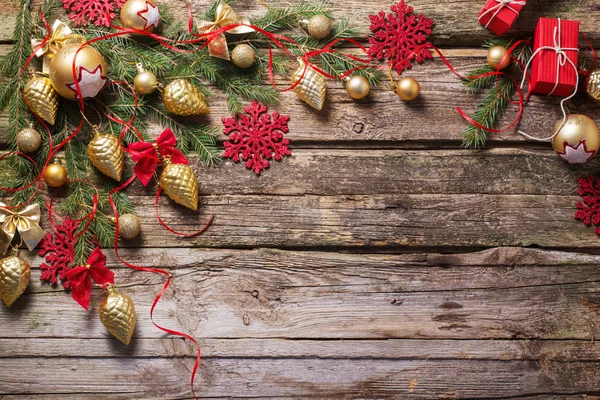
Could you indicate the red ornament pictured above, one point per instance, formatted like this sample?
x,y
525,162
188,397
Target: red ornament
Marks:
x,y
588,211
81,277
400,36
59,250
257,136
97,12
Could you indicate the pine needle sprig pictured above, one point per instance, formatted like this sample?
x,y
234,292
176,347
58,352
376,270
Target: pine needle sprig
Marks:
x,y
288,18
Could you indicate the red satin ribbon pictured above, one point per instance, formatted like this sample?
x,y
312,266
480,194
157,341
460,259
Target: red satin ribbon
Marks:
x,y
81,277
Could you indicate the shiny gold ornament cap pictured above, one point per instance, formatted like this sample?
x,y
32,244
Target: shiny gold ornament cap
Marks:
x,y
183,98
14,278
312,88
592,84
41,98
106,153
180,184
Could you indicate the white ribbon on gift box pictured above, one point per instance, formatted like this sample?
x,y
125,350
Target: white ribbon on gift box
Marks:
x,y
499,7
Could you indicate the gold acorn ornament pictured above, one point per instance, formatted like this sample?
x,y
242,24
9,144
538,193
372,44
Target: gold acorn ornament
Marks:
x,y
28,139
183,98
312,86
130,226
243,56
117,314
592,84
106,153
41,98
14,277
319,26
408,89
577,140
142,15
180,184
55,175
90,71
358,87
497,58
145,82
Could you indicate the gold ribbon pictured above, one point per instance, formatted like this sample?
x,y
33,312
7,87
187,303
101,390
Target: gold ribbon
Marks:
x,y
225,16
60,35
25,221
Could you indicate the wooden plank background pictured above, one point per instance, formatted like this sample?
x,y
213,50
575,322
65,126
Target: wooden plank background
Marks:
x,y
381,261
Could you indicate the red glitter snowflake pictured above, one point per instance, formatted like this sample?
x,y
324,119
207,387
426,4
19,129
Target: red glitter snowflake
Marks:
x,y
59,250
400,36
97,12
588,211
257,136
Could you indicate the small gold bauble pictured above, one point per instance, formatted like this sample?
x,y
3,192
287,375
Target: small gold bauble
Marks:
x,y
578,140
145,82
592,84
130,226
142,15
408,89
90,71
28,140
41,98
117,314
243,56
55,175
183,98
14,278
358,87
319,26
497,58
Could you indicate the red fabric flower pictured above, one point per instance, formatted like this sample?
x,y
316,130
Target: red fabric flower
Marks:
x,y
588,211
81,277
257,136
400,36
97,12
59,251
146,156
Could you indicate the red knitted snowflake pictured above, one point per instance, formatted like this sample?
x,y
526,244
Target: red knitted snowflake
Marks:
x,y
588,211
400,36
97,12
59,250
257,136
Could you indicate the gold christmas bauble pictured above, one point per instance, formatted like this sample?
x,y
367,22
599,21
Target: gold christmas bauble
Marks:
x,y
28,140
578,140
145,82
592,84
41,98
142,15
90,71
496,57
106,153
312,88
243,56
14,278
183,98
55,175
408,89
130,226
358,87
319,26
117,314
180,184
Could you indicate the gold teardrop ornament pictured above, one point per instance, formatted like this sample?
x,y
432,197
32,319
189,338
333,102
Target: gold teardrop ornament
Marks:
x,y
180,184
14,278
183,98
592,84
312,87
41,98
105,152
117,314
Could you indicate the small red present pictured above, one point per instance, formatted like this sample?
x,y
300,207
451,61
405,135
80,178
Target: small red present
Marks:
x,y
499,15
555,56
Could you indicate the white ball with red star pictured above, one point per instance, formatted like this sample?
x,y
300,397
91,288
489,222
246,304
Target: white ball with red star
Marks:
x,y
577,140
141,15
77,71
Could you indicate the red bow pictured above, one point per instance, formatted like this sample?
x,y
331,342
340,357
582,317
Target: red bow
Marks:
x,y
81,277
145,155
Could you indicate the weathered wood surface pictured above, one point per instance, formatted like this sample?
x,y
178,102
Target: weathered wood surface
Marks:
x,y
372,264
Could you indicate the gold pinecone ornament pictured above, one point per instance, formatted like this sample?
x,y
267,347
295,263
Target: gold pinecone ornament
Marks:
x,y
183,98
41,98
312,87
117,314
180,184
592,84
105,152
14,277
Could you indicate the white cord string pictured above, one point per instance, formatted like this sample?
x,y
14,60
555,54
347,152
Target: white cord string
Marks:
x,y
499,7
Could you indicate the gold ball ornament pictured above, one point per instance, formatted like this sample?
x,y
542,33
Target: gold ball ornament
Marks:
x,y
106,153
319,26
28,140
55,175
41,98
145,82
496,57
183,98
142,15
130,226
592,84
243,56
358,87
117,314
90,71
14,277
408,89
180,184
578,140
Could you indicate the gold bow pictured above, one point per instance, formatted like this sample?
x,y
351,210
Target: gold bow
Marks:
x,y
60,35
225,16
25,221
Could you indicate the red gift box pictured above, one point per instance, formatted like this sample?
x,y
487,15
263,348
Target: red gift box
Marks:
x,y
499,15
552,72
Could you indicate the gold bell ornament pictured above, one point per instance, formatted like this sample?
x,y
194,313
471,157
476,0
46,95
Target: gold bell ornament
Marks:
x,y
592,84
106,153
183,98
145,82
319,26
14,277
312,86
90,71
28,139
577,140
142,15
41,98
180,184
117,314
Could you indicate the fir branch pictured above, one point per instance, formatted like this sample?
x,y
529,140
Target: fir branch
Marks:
x,y
288,18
